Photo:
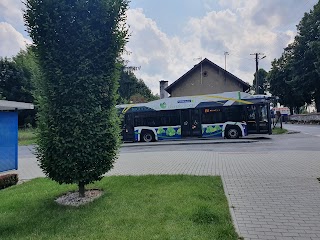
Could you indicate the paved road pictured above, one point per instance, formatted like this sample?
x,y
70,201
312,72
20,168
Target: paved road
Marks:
x,y
271,185
274,143
313,130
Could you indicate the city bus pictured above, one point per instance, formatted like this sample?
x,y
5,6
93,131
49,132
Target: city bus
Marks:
x,y
228,115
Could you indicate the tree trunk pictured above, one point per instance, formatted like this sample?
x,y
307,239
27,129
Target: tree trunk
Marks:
x,y
317,101
81,189
291,110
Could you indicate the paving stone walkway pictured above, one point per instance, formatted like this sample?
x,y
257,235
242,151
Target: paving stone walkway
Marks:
x,y
272,195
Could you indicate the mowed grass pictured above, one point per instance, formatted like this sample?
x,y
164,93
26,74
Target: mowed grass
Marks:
x,y
26,136
278,130
132,207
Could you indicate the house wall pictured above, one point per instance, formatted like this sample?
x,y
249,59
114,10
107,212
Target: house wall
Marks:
x,y
214,81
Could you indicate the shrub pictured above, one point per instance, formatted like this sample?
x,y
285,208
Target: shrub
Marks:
x,y
79,132
8,180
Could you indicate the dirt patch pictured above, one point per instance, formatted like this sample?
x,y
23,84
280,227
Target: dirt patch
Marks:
x,y
73,199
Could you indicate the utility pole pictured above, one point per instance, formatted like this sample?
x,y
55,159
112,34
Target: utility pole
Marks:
x,y
257,69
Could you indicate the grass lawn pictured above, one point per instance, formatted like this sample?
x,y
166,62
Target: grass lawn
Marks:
x,y
278,130
132,207
26,136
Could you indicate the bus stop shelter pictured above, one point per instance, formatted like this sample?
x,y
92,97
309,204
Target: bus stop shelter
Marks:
x,y
9,133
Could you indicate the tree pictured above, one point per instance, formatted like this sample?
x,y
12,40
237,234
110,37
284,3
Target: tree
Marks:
x,y
77,43
262,79
306,56
131,86
25,60
14,82
16,85
280,79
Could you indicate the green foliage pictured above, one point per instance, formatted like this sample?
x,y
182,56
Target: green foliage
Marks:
x,y
306,54
132,207
277,130
263,83
8,180
16,82
77,44
294,77
280,78
132,89
27,136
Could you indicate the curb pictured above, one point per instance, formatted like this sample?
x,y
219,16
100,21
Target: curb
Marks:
x,y
292,132
181,142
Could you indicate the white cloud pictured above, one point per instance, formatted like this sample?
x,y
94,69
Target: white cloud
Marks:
x,y
164,57
11,40
11,12
160,56
240,27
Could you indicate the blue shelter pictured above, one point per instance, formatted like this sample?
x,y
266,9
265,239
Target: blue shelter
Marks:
x,y
9,133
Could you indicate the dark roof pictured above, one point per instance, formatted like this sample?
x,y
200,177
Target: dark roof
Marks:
x,y
175,83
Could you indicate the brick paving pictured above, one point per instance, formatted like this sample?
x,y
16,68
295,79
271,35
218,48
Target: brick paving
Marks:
x,y
272,195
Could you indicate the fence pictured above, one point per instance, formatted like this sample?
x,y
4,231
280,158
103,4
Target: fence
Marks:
x,y
312,118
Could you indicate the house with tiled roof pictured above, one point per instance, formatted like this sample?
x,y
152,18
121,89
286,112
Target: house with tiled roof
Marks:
x,y
206,78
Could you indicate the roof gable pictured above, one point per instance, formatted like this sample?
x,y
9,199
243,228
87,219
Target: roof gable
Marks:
x,y
213,65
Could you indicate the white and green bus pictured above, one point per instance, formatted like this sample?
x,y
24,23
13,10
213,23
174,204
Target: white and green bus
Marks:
x,y
226,115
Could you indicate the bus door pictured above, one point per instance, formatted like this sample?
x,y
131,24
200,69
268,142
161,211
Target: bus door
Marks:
x,y
258,118
263,113
252,119
190,123
196,130
128,128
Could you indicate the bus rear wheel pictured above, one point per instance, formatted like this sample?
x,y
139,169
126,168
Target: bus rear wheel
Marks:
x,y
233,132
147,136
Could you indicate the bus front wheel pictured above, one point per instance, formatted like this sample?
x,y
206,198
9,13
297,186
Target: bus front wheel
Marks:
x,y
232,132
147,136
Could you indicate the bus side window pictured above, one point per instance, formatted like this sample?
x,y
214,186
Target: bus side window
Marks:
x,y
151,122
212,115
251,112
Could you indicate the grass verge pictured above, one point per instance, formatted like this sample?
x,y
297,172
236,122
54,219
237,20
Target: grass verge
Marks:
x,y
278,130
26,136
143,207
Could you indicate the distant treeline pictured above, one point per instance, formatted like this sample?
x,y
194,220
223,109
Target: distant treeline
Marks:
x,y
19,74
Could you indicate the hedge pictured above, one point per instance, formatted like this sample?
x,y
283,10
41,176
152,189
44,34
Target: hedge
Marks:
x,y
8,180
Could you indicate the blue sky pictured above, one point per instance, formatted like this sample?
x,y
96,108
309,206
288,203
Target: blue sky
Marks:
x,y
167,36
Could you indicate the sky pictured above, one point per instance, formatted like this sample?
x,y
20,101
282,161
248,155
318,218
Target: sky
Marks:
x,y
168,37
